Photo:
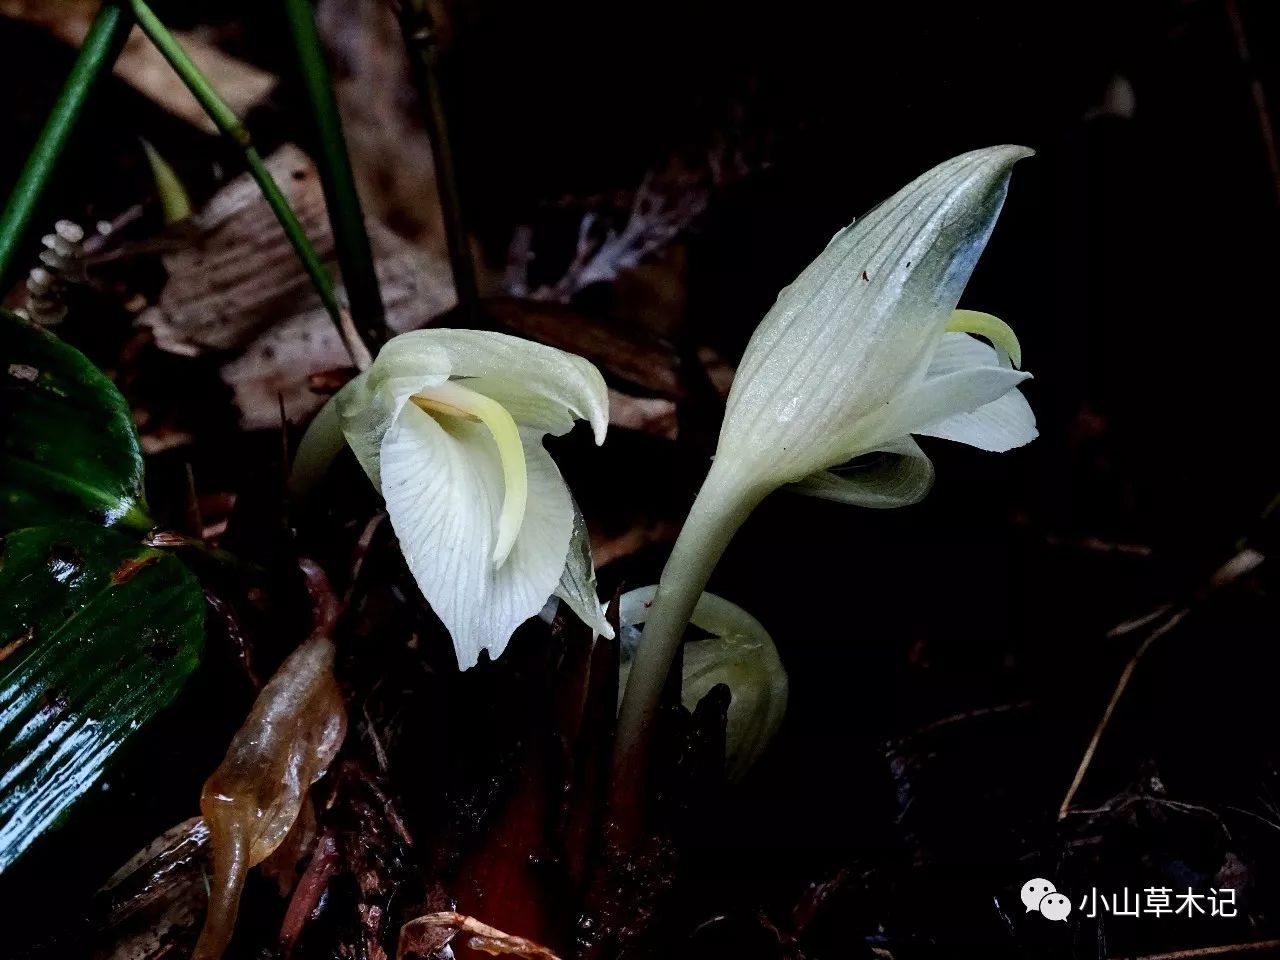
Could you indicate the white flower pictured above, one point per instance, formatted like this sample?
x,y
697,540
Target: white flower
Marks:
x,y
866,348
863,350
448,424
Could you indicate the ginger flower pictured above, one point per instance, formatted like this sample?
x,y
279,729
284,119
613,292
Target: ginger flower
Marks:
x,y
448,424
864,349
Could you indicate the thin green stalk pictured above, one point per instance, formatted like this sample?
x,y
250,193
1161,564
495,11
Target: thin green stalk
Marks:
x,y
424,56
718,511
355,256
224,119
101,46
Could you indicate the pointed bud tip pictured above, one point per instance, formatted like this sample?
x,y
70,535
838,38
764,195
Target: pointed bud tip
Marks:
x,y
1005,155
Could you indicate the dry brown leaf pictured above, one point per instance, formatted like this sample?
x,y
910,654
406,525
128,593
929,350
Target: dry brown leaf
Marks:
x,y
390,150
654,415
631,354
240,274
241,288
157,898
240,84
641,534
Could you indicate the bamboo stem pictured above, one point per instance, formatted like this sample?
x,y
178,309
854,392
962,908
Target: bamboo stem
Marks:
x,y
101,46
224,119
355,256
424,55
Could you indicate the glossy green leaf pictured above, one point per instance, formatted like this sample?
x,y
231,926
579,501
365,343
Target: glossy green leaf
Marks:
x,y
70,449
97,634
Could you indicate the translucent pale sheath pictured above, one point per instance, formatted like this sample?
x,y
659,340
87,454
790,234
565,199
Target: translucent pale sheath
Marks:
x,y
253,798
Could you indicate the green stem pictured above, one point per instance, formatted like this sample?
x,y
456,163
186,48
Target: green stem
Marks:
x,y
355,256
101,46
424,56
224,119
718,511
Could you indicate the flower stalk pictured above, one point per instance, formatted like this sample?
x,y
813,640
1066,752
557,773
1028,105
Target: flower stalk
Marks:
x,y
717,513
225,119
101,46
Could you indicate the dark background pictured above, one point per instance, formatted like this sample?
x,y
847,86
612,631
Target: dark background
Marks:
x,y
1137,259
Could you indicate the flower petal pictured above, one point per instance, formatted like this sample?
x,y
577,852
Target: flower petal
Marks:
x,y
740,654
858,323
540,386
939,398
900,476
359,414
577,585
367,407
442,482
320,445
999,426
959,351
962,375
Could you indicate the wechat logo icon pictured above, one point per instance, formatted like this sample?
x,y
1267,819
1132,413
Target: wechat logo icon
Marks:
x,y
1043,897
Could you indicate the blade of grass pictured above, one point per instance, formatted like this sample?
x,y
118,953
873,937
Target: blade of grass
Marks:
x,y
424,55
224,119
355,257
100,48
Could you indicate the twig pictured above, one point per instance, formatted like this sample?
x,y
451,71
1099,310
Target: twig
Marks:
x,y
1137,623
1098,545
1256,816
310,888
1219,951
1266,130
226,121
355,255
428,934
420,38
1121,685
101,46
974,714
1239,566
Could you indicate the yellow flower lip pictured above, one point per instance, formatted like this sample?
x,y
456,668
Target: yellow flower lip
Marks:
x,y
990,328
451,399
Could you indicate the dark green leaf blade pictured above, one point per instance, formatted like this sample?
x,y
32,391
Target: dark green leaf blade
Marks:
x,y
97,634
69,444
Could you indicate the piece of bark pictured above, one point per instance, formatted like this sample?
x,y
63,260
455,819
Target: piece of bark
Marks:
x,y
141,65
